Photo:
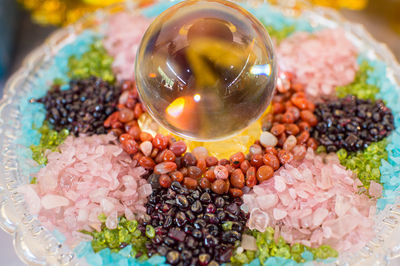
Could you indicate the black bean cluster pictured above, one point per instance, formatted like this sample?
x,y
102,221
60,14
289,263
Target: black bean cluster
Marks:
x,y
193,227
83,107
351,123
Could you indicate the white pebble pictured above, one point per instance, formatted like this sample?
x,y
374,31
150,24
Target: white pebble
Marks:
x,y
267,139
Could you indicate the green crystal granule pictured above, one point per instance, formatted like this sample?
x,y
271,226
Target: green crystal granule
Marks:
x,y
365,163
95,62
125,234
268,247
359,87
49,140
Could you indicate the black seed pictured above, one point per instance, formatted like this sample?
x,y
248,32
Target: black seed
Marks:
x,y
186,255
197,234
182,201
210,241
180,219
205,197
200,223
219,202
196,207
190,216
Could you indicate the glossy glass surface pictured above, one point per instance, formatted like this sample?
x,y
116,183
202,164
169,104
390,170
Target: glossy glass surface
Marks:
x,y
206,69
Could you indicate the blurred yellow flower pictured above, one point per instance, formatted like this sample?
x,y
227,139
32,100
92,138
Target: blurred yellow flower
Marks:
x,y
64,12
101,2
349,4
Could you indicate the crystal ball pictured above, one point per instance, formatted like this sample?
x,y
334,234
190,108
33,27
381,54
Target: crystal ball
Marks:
x,y
205,69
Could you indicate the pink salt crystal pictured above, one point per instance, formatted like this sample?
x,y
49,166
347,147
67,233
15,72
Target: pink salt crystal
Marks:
x,y
319,215
292,193
146,147
267,201
73,197
145,190
279,214
324,181
258,220
322,60
106,205
258,190
122,40
51,201
112,220
280,184
375,189
342,205
129,214
82,215
318,203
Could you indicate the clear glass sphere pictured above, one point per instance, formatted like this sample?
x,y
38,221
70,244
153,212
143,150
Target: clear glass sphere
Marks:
x,y
205,69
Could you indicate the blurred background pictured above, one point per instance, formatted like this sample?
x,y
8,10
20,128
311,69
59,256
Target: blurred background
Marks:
x,y
25,24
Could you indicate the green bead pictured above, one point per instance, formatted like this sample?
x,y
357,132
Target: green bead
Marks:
x,y
321,149
227,226
283,252
342,154
136,233
131,225
297,248
150,231
268,247
94,62
97,246
365,164
124,236
49,140
109,236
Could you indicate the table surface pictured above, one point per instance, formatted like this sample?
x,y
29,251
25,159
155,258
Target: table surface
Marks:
x,y
31,35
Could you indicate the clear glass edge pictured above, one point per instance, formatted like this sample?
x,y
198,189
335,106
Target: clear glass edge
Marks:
x,y
35,245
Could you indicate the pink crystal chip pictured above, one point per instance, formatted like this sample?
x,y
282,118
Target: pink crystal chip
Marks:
x,y
88,177
316,202
322,61
123,36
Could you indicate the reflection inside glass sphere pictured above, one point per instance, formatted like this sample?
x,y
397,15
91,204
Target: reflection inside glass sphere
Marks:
x,y
205,69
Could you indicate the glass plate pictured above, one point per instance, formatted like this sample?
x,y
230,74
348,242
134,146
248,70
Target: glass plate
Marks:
x,y
35,245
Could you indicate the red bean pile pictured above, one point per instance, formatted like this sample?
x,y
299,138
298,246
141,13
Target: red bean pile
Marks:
x,y
290,122
292,116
